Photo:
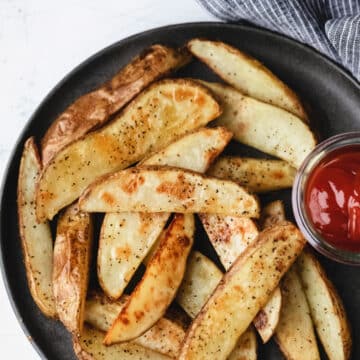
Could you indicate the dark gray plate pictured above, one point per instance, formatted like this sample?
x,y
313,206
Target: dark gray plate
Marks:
x,y
329,90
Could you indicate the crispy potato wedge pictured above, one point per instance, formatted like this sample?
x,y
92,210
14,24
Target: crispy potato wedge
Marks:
x,y
36,240
162,112
247,74
326,308
246,347
267,319
127,237
229,235
272,214
295,332
195,151
166,189
95,108
201,278
158,287
72,255
258,175
165,336
242,292
89,346
263,126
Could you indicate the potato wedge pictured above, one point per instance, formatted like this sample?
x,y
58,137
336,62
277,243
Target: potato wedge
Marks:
x,y
242,292
263,126
72,254
95,108
267,319
272,214
127,237
201,278
165,336
295,332
247,74
89,346
163,111
166,189
158,287
36,240
195,151
229,235
326,308
246,347
258,175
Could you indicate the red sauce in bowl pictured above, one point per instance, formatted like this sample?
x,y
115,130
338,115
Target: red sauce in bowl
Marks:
x,y
332,198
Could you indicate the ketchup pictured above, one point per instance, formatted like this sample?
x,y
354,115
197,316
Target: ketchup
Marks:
x,y
332,198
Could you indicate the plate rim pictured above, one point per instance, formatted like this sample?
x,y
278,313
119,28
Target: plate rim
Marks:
x,y
232,25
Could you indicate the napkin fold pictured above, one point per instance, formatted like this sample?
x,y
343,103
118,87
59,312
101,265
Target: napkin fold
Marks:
x,y
330,26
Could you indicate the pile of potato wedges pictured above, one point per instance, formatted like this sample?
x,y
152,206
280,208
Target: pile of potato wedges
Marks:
x,y
146,150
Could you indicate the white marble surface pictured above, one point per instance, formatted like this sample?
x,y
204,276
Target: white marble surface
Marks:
x,y
40,42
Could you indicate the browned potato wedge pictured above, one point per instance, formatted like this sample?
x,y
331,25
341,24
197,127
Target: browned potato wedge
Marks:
x,y
246,347
267,319
166,189
162,112
89,346
95,108
229,235
127,237
201,278
195,151
258,175
263,126
165,336
247,75
242,292
326,308
36,241
72,253
295,332
158,287
273,213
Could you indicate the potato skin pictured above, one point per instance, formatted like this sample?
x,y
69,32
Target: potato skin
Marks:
x,y
95,108
72,252
161,113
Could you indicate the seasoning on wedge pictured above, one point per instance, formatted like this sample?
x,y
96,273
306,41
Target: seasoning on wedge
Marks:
x,y
162,112
242,292
36,240
158,287
126,238
95,108
165,189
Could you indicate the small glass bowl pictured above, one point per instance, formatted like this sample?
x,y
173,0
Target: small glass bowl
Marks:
x,y
298,198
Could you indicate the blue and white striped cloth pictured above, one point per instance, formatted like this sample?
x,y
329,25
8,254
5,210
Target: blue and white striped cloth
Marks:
x,y
330,26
